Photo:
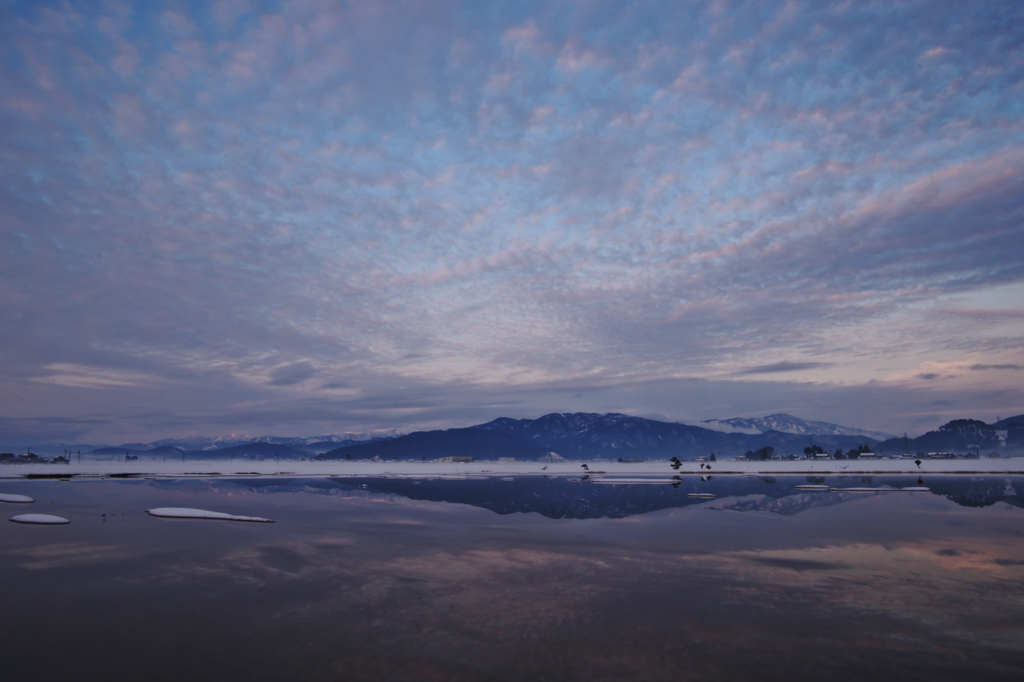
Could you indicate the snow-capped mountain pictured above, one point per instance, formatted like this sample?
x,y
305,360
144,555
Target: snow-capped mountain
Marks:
x,y
787,423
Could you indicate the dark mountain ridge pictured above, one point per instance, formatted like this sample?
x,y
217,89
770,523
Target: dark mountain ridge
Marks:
x,y
160,451
1004,424
452,442
583,435
962,436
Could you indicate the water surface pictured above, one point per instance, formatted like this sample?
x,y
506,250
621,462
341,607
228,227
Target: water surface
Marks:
x,y
529,579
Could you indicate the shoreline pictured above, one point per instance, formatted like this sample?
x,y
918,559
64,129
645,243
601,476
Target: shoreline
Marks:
x,y
649,471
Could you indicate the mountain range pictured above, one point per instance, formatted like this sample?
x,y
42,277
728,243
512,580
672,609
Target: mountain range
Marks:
x,y
582,435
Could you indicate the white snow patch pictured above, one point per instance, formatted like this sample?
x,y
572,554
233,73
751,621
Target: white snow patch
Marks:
x,y
185,513
617,481
864,490
40,519
18,499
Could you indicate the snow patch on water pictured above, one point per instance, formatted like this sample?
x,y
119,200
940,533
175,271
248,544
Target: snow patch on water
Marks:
x,y
185,513
40,519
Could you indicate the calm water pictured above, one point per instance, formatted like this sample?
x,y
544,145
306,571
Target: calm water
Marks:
x,y
530,579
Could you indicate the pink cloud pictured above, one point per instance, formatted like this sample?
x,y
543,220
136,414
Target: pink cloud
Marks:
x,y
525,38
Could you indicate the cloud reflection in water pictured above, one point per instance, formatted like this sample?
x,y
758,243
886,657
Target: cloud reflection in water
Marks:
x,y
367,585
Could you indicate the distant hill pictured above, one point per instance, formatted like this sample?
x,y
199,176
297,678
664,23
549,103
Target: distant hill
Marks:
x,y
134,446
326,445
163,451
1004,424
583,435
452,442
958,436
786,423
115,451
250,451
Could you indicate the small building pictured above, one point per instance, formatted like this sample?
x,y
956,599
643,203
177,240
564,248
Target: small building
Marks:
x,y
994,455
869,455
457,460
506,459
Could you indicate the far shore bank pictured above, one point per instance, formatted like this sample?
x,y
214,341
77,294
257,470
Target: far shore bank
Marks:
x,y
654,471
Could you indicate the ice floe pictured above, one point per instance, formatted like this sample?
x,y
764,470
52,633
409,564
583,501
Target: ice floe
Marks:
x,y
864,490
908,489
633,479
40,519
18,499
185,513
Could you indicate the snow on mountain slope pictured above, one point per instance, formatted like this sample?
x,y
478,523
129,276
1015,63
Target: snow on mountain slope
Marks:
x,y
787,423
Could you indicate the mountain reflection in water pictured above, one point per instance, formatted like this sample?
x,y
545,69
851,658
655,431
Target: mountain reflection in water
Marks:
x,y
565,498
443,580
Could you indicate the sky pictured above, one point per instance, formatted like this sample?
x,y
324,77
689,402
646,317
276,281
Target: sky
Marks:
x,y
309,217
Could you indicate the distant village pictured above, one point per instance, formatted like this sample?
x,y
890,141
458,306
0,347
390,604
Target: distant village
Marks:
x,y
863,452
32,458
